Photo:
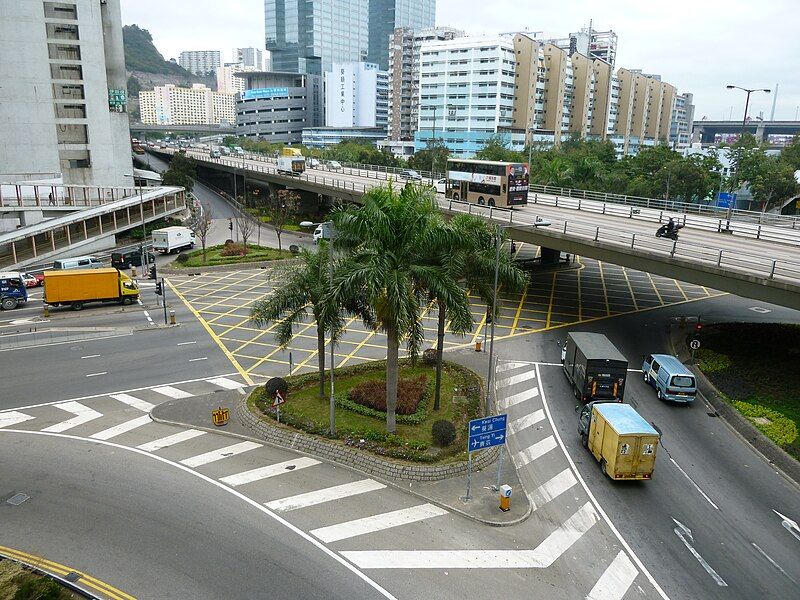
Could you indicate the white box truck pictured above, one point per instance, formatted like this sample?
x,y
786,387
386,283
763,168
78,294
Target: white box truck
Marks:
x,y
291,162
172,239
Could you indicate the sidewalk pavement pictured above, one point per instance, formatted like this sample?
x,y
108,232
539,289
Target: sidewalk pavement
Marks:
x,y
484,502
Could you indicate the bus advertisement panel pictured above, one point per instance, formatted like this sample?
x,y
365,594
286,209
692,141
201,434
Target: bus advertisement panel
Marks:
x,y
487,183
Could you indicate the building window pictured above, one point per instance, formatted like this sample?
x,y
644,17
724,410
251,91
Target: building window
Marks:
x,y
60,10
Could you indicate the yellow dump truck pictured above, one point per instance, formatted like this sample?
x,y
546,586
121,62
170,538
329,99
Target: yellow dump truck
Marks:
x,y
620,439
76,287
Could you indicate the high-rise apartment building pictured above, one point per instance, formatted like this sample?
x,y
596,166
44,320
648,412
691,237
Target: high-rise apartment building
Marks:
x,y
467,88
645,110
309,36
63,93
197,105
227,80
200,62
404,48
356,95
249,58
590,43
680,133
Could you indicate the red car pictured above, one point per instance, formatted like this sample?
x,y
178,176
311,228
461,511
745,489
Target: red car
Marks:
x,y
33,279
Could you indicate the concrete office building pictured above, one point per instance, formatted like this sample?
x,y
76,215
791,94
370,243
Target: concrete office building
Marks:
x,y
197,105
308,37
320,137
63,97
229,79
680,133
404,48
467,89
277,106
356,95
200,62
248,58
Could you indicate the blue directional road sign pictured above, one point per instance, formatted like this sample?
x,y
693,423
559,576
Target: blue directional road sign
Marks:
x,y
487,432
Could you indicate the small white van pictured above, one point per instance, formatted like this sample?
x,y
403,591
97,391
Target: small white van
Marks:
x,y
79,262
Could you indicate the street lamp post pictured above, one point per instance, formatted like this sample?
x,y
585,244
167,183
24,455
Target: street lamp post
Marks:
x,y
141,213
747,91
329,225
490,375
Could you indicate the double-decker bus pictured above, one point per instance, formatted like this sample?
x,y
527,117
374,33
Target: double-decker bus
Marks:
x,y
487,182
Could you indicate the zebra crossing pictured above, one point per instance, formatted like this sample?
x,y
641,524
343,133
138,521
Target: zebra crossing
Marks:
x,y
376,527
549,480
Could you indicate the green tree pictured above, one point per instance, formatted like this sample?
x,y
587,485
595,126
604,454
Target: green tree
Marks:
x,y
182,171
791,153
391,240
432,158
301,287
774,181
554,172
496,148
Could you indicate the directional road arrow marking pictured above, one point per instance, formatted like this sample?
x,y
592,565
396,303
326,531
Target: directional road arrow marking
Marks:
x,y
685,535
789,525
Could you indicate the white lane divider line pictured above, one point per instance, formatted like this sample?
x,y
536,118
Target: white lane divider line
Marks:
x,y
521,397
526,421
325,495
83,414
113,432
97,374
172,392
14,417
171,440
134,402
395,518
685,535
615,580
224,382
772,562
187,343
89,356
697,487
552,488
531,453
268,471
215,455
197,359
519,378
544,555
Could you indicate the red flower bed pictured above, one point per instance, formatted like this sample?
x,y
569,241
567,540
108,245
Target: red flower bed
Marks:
x,y
372,394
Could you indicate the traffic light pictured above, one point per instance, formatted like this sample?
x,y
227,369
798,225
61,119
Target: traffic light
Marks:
x,y
152,274
230,225
159,289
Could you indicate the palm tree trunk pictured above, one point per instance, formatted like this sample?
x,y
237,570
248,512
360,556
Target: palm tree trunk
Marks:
x,y
392,351
439,356
321,360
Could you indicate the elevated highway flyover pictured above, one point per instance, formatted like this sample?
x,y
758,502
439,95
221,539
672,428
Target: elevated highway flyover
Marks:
x,y
741,257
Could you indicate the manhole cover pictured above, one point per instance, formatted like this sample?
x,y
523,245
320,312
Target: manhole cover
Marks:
x,y
72,576
17,499
712,414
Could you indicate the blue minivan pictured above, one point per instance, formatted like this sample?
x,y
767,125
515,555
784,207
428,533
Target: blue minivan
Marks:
x,y
12,290
671,379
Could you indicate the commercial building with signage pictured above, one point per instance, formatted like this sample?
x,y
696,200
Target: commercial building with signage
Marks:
x,y
277,107
356,95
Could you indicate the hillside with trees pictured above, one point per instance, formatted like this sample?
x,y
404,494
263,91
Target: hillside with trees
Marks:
x,y
142,55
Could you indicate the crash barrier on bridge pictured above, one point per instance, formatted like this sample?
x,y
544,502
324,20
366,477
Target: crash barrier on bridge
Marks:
x,y
35,243
44,195
672,206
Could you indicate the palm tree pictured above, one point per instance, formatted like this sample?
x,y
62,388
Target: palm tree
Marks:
x,y
392,240
304,286
555,172
471,260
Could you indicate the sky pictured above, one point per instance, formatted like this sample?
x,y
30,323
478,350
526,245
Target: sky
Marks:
x,y
700,47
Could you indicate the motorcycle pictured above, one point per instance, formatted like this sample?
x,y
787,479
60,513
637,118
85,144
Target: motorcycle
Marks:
x,y
665,232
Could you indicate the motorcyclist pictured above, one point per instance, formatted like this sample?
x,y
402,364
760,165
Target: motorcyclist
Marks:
x,y
671,227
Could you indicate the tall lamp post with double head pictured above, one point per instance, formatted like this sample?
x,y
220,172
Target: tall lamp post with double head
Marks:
x,y
747,91
329,226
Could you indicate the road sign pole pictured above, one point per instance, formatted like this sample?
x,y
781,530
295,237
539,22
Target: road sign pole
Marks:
x,y
164,299
469,475
278,412
499,467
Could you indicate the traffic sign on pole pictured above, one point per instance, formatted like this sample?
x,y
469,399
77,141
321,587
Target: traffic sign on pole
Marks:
x,y
487,432
694,344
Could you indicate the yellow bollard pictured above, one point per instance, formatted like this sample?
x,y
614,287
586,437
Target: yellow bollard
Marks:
x,y
46,311
172,320
505,498
478,346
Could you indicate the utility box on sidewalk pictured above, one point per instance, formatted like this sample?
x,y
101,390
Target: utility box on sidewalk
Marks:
x,y
505,498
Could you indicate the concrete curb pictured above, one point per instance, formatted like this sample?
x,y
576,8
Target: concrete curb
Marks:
x,y
773,454
242,405
263,264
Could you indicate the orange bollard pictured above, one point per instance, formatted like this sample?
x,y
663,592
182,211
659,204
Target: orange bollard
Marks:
x,y
505,498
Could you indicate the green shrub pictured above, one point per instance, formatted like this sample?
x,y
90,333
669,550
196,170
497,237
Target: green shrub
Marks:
x,y
233,249
182,258
443,433
780,429
39,589
372,394
712,362
429,357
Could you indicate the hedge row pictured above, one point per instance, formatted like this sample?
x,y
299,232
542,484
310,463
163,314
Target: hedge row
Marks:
x,y
780,429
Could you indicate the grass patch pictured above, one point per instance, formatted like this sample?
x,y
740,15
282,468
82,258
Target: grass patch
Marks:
x,y
413,441
213,257
755,366
18,582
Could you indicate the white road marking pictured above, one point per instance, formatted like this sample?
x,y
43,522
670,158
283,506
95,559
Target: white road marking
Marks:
x,y
772,562
531,453
90,356
544,555
224,382
48,344
171,440
215,455
526,421
519,378
685,535
521,397
83,414
509,365
553,488
187,343
760,309
268,471
697,487
380,522
97,374
12,418
789,525
134,402
197,359
325,495
615,580
637,561
168,390
112,432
